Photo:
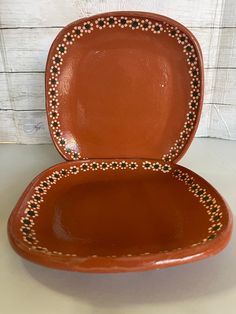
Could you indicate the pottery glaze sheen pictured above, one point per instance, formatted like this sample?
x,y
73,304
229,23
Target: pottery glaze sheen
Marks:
x,y
124,93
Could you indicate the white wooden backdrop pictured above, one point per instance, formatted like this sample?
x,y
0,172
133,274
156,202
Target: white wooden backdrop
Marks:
x,y
27,28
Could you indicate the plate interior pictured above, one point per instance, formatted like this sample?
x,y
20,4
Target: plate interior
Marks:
x,y
117,209
124,86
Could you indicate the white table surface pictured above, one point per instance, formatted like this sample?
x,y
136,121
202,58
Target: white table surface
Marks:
x,y
205,287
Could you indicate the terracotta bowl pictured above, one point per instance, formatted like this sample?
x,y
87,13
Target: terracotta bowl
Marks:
x,y
121,215
124,93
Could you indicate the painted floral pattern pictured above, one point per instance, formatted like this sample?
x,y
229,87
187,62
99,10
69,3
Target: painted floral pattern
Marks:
x,y
32,210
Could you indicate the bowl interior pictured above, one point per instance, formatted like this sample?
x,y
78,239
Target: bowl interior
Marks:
x,y
116,209
120,215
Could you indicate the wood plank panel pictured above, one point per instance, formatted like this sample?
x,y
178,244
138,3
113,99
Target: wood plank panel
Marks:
x,y
25,50
30,127
202,130
25,91
227,47
22,91
8,131
28,27
31,13
27,127
222,122
224,86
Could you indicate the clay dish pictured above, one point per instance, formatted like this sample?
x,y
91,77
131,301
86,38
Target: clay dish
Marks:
x,y
124,93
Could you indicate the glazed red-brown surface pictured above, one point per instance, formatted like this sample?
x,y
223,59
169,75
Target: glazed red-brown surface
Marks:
x,y
125,85
128,219
124,91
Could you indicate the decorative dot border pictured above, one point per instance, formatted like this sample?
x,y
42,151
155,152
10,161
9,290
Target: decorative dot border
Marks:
x,y
136,24
32,210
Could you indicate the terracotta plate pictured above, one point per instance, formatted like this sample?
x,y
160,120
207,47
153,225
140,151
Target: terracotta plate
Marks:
x,y
120,215
124,85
